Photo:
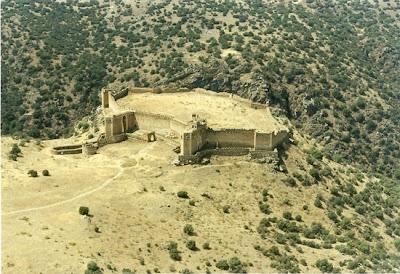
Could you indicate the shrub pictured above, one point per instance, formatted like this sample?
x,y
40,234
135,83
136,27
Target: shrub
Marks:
x,y
274,250
316,230
287,226
84,210
287,215
45,172
12,157
33,173
183,194
280,238
286,264
15,150
222,264
92,268
315,173
298,218
332,215
290,182
318,203
262,228
174,254
236,266
264,208
189,230
397,244
324,266
226,208
206,246
191,245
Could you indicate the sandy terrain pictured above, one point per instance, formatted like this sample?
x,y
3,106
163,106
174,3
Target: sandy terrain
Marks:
x,y
220,112
43,232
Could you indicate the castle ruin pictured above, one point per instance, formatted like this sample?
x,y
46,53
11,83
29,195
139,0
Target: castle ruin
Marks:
x,y
195,137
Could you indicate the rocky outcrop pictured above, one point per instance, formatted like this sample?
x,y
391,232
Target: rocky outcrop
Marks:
x,y
217,77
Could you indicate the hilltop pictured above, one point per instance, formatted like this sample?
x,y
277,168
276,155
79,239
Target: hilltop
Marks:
x,y
326,70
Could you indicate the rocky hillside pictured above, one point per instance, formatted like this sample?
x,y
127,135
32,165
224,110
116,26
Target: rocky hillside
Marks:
x,y
330,66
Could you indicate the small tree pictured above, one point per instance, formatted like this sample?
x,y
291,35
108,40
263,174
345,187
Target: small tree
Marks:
x,y
223,265
183,194
92,268
191,245
324,266
174,254
45,172
84,210
397,244
318,203
226,209
189,230
33,173
206,246
15,150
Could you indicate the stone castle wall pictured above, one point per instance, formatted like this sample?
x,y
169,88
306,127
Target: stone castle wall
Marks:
x,y
197,140
152,121
230,137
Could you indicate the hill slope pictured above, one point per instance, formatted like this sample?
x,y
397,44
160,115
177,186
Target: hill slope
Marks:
x,y
330,66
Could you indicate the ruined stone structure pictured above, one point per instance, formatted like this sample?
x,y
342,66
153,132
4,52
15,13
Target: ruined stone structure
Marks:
x,y
196,138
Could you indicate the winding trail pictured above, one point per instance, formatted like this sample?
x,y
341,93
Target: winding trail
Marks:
x,y
84,194
104,184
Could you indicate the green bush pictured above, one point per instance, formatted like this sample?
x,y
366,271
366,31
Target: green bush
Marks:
x,y
183,194
206,246
188,229
290,182
174,254
226,209
262,228
84,210
264,208
324,266
15,150
286,264
45,172
92,268
287,215
12,157
397,244
316,230
223,265
315,174
191,245
236,266
318,203
332,215
33,173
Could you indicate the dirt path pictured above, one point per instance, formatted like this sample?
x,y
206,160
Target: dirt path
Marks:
x,y
84,194
140,153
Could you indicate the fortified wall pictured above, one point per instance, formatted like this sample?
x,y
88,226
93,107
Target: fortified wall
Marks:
x,y
196,139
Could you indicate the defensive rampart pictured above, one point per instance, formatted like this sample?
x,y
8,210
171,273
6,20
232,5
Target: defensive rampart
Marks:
x,y
196,138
